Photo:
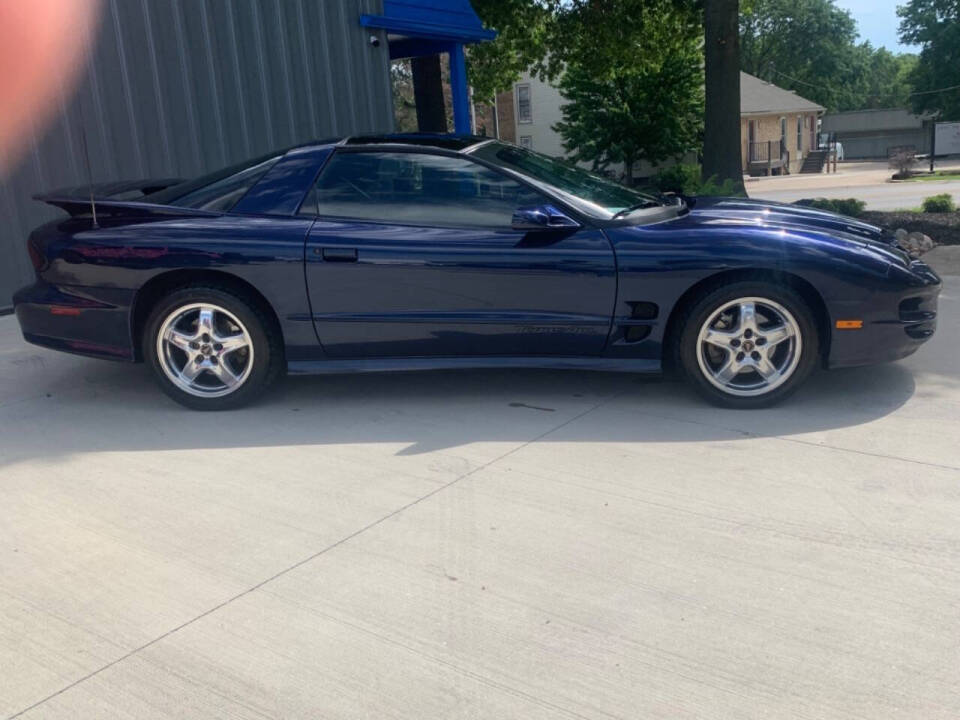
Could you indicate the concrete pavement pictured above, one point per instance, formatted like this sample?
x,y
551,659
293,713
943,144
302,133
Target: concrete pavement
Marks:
x,y
865,181
480,545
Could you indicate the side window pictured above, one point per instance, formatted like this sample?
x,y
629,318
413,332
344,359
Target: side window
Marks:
x,y
418,189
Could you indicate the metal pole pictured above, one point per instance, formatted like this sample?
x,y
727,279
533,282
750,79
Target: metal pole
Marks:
x,y
458,87
933,142
86,161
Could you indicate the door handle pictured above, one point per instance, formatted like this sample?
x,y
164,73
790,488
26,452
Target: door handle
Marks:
x,y
338,254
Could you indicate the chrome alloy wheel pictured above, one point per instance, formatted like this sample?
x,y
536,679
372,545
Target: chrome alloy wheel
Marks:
x,y
749,346
205,350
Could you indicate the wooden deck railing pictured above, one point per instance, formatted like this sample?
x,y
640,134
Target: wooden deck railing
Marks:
x,y
766,150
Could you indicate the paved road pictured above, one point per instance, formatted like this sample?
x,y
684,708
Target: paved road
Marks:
x,y
480,545
878,196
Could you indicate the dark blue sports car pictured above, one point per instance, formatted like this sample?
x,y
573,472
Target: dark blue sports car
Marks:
x,y
409,252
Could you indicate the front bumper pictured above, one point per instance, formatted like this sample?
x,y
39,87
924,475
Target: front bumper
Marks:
x,y
895,322
86,321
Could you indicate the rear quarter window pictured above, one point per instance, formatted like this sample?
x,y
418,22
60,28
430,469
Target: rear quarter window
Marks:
x,y
223,194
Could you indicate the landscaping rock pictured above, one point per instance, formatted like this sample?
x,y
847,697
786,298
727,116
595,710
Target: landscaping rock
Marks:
x,y
915,243
943,228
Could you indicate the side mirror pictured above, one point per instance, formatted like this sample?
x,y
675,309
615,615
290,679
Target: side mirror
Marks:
x,y
541,217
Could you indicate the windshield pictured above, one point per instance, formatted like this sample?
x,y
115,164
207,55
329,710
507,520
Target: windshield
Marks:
x,y
590,193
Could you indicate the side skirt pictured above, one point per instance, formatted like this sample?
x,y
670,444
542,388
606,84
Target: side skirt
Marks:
x,y
361,365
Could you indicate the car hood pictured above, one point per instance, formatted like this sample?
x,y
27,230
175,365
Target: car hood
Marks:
x,y
772,214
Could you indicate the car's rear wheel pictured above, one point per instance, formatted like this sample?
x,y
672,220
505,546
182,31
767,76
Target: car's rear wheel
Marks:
x,y
211,348
748,344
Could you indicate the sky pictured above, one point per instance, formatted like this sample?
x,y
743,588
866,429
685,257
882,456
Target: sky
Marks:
x,y
878,22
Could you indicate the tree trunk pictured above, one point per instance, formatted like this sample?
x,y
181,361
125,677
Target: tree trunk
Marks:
x,y
721,136
628,171
428,94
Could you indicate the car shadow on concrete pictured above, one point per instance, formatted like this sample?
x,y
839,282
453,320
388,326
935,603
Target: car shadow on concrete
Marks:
x,y
97,406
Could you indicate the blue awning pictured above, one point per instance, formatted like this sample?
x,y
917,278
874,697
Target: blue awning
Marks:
x,y
427,27
445,20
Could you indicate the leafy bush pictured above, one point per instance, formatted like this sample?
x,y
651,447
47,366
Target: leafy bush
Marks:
x,y
939,203
849,206
902,160
685,180
843,206
682,179
710,187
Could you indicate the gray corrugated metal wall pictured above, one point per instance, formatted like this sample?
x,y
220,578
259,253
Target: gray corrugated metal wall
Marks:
x,y
877,145
182,87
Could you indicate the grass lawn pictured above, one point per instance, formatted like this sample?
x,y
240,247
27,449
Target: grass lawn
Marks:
x,y
938,175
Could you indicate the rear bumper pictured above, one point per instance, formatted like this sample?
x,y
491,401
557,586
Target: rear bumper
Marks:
x,y
86,321
895,324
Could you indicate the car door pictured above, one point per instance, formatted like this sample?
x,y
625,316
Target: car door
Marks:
x,y
413,255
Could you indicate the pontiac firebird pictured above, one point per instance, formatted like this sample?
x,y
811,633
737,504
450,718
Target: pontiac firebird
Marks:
x,y
407,252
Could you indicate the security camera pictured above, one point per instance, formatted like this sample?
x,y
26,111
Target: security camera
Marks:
x,y
375,41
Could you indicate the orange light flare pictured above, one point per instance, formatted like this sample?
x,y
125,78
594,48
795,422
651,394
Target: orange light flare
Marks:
x,y
43,49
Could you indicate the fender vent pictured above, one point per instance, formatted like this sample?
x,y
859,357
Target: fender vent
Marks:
x,y
636,333
643,310
912,311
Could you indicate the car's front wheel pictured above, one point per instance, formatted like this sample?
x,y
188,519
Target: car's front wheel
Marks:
x,y
748,344
211,348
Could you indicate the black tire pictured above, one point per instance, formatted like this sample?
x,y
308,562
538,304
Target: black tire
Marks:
x,y
694,358
266,345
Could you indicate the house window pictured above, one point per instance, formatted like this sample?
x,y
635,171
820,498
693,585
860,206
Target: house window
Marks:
x,y
526,141
524,113
799,132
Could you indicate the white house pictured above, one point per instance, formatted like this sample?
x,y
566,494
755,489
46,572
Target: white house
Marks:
x,y
528,113
771,117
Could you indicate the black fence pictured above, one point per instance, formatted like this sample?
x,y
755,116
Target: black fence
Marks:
x,y
767,150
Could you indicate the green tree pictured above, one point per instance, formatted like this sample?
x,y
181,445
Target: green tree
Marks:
x,y
524,32
810,46
633,80
885,78
404,105
934,25
804,45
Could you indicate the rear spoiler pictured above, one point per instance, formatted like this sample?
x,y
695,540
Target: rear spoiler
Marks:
x,y
129,197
